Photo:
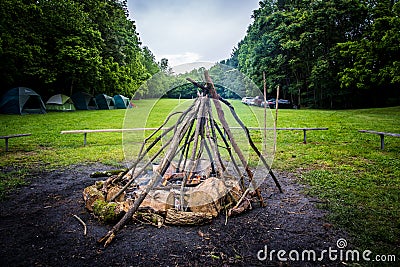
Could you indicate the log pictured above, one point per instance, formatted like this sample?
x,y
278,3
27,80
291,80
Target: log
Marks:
x,y
149,217
107,173
175,217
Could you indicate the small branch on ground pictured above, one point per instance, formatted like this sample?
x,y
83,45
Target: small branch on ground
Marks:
x,y
83,223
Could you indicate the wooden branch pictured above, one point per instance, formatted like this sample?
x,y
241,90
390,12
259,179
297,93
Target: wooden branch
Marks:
x,y
211,157
225,125
83,223
134,176
167,130
213,139
153,157
228,148
198,129
252,143
140,155
276,116
197,133
242,198
185,149
104,189
179,133
108,238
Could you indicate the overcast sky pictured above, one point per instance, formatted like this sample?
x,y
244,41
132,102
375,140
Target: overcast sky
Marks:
x,y
186,31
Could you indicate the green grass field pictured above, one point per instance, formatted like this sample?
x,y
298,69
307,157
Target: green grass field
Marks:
x,y
357,182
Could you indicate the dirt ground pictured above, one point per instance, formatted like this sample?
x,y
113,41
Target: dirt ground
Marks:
x,y
38,229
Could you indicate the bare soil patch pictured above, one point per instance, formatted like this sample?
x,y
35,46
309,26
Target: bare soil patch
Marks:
x,y
38,229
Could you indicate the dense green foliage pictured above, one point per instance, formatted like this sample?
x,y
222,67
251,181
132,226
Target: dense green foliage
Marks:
x,y
331,54
71,45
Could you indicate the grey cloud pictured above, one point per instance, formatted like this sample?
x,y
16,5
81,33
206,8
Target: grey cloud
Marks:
x,y
207,28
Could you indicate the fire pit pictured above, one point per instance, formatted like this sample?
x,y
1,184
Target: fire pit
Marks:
x,y
184,180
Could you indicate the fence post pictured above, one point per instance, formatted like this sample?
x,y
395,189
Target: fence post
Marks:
x,y
382,141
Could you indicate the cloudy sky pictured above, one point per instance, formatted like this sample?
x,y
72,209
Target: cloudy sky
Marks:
x,y
187,31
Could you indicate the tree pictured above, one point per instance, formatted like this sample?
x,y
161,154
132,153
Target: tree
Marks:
x,y
373,71
71,45
324,53
149,61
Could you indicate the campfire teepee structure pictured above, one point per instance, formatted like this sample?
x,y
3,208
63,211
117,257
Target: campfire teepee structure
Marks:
x,y
191,182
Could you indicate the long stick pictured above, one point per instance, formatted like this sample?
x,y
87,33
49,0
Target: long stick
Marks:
x,y
276,116
186,147
175,140
225,125
210,156
192,162
243,127
140,155
134,176
265,111
229,149
213,138
252,143
241,199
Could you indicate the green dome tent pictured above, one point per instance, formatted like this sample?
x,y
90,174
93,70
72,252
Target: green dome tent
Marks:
x,y
105,101
121,102
22,100
60,103
84,101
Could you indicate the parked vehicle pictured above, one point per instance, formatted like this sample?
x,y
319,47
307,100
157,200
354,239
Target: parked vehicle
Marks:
x,y
257,101
282,103
270,103
247,100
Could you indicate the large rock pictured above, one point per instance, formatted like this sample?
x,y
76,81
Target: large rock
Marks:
x,y
108,212
90,195
112,191
206,197
159,200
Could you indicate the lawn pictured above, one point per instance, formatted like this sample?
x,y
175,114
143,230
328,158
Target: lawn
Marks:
x,y
355,180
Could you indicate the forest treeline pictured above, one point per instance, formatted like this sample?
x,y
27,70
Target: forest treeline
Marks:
x,y
71,45
325,53
322,54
